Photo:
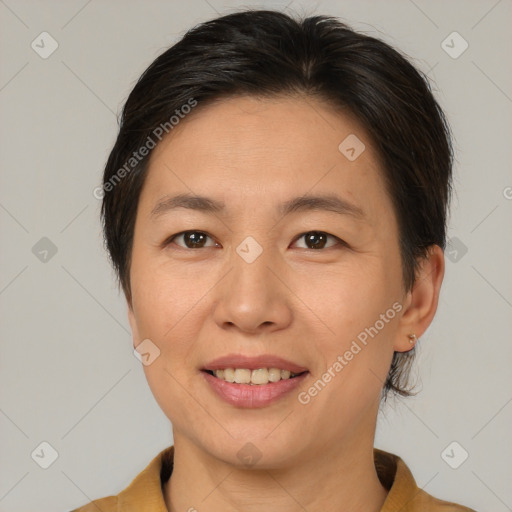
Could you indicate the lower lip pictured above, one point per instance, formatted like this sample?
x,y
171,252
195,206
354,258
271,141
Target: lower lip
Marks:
x,y
252,396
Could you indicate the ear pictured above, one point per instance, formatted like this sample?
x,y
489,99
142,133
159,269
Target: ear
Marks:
x,y
421,301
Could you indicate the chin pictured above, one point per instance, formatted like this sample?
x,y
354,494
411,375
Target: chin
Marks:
x,y
255,448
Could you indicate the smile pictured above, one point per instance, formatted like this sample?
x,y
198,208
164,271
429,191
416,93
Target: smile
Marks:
x,y
250,395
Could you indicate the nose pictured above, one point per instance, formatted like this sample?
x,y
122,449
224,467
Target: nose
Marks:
x,y
253,297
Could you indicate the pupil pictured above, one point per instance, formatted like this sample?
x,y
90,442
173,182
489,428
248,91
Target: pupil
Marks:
x,y
194,239
317,240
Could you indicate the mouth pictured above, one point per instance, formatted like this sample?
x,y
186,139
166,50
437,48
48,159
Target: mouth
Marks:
x,y
252,382
249,395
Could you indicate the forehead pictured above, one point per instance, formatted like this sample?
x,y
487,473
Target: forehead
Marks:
x,y
245,148
253,126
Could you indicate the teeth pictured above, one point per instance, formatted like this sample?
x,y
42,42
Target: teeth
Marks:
x,y
229,375
242,376
259,376
274,374
254,377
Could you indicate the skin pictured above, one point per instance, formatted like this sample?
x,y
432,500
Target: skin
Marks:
x,y
303,304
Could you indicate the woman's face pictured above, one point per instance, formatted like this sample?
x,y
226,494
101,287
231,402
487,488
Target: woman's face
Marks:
x,y
270,272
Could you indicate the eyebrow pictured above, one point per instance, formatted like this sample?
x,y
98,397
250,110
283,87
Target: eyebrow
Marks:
x,y
328,202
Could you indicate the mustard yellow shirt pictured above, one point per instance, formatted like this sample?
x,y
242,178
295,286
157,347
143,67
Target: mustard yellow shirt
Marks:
x,y
145,493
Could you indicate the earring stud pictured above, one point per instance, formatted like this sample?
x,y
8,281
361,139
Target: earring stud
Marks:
x,y
412,338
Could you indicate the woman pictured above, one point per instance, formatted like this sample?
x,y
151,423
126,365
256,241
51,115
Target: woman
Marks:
x,y
275,208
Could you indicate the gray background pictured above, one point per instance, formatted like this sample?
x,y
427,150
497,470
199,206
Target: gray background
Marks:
x,y
68,374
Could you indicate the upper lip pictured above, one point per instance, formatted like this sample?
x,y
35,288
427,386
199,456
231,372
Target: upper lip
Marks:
x,y
253,363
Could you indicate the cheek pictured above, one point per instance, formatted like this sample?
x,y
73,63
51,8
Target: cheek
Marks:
x,y
169,312
163,296
349,298
354,311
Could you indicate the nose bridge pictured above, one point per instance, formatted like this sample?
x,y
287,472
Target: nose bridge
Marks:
x,y
252,295
251,262
251,276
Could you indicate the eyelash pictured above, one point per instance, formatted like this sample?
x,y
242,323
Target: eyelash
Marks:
x,y
339,241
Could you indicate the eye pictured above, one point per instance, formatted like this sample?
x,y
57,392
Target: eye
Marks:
x,y
318,240
191,240
199,239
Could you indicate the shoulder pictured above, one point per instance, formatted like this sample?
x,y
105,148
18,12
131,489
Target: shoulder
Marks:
x,y
108,504
403,492
424,501
144,491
